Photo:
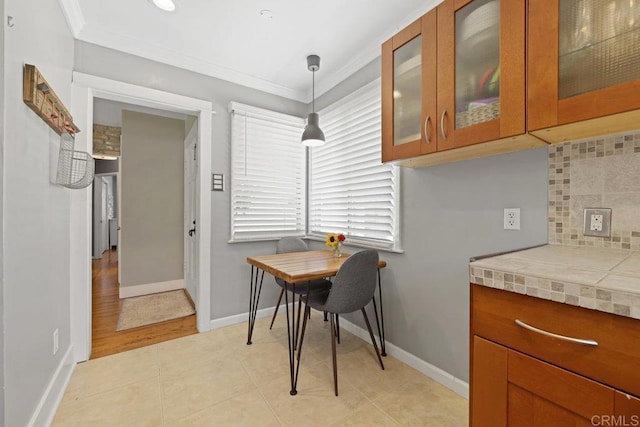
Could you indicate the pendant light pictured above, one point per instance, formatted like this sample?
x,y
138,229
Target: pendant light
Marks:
x,y
166,5
313,135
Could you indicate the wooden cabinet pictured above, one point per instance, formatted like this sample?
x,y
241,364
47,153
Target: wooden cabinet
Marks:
x,y
493,76
462,65
541,394
520,377
516,390
583,68
489,366
408,91
481,71
628,407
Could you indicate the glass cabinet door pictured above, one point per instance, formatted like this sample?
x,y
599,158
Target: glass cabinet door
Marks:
x,y
481,71
407,92
599,45
477,58
583,64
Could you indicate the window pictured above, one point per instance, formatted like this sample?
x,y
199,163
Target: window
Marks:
x,y
350,191
268,174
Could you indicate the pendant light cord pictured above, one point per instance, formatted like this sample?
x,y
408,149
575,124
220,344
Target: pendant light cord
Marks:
x,y
313,91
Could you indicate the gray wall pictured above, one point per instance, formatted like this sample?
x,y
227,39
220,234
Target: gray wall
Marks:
x,y
109,113
106,166
36,214
229,271
448,214
2,30
152,185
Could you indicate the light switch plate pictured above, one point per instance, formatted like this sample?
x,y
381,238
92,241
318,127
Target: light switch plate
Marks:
x,y
217,182
597,222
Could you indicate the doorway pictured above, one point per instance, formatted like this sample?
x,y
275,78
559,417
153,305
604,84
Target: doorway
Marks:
x,y
85,89
104,210
106,307
150,264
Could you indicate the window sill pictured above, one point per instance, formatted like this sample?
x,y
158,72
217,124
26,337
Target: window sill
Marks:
x,y
360,245
320,239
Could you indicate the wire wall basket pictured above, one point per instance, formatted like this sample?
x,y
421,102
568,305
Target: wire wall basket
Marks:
x,y
75,168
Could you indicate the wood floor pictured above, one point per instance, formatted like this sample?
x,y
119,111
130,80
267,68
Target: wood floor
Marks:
x,y
106,308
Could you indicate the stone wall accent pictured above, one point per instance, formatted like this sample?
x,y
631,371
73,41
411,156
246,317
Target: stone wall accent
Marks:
x,y
106,140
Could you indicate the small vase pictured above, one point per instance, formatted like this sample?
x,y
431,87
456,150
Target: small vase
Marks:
x,y
337,250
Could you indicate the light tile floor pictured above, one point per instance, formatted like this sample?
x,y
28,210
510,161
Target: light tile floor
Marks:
x,y
215,379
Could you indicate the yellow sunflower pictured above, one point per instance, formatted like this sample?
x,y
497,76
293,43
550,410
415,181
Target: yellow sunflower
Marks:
x,y
331,240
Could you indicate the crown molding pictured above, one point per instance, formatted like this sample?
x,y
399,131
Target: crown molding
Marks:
x,y
145,49
73,15
369,52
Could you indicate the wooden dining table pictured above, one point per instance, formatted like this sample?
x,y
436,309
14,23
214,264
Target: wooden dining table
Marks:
x,y
297,268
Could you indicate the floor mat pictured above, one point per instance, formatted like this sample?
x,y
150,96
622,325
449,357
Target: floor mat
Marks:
x,y
155,308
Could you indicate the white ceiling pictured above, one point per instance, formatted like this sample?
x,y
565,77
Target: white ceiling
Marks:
x,y
230,40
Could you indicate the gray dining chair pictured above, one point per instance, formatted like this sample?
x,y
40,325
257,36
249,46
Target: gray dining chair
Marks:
x,y
295,244
352,290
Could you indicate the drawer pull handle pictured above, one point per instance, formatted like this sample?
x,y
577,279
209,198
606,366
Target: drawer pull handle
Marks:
x,y
560,337
443,131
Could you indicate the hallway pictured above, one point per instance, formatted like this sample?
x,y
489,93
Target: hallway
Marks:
x,y
106,308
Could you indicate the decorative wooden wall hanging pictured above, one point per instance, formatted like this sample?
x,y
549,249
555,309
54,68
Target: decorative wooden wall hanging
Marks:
x,y
41,98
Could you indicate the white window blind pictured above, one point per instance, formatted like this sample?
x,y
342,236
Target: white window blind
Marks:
x,y
268,174
350,190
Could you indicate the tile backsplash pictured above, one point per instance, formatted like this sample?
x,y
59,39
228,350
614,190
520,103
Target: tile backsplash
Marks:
x,y
601,172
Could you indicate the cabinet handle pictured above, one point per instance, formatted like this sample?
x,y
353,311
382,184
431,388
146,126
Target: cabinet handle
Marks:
x,y
426,129
442,129
560,337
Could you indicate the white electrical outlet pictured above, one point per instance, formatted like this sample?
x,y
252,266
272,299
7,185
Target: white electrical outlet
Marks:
x,y
512,218
596,222
55,342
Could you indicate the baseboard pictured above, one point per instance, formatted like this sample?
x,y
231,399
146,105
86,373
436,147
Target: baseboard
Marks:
x,y
150,288
52,396
239,318
191,301
446,379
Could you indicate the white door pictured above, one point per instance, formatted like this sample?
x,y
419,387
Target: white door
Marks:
x,y
190,209
96,218
104,216
119,211
100,216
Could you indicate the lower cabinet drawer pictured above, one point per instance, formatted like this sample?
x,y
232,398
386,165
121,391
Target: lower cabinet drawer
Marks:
x,y
615,361
546,395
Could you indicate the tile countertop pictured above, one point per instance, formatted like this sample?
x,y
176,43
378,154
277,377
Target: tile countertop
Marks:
x,y
597,278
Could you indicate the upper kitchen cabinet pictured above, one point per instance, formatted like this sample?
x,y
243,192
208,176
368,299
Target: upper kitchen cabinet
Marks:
x,y
583,68
409,91
453,84
481,71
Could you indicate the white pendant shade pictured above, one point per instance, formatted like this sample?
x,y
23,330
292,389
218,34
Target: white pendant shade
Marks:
x,y
166,5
